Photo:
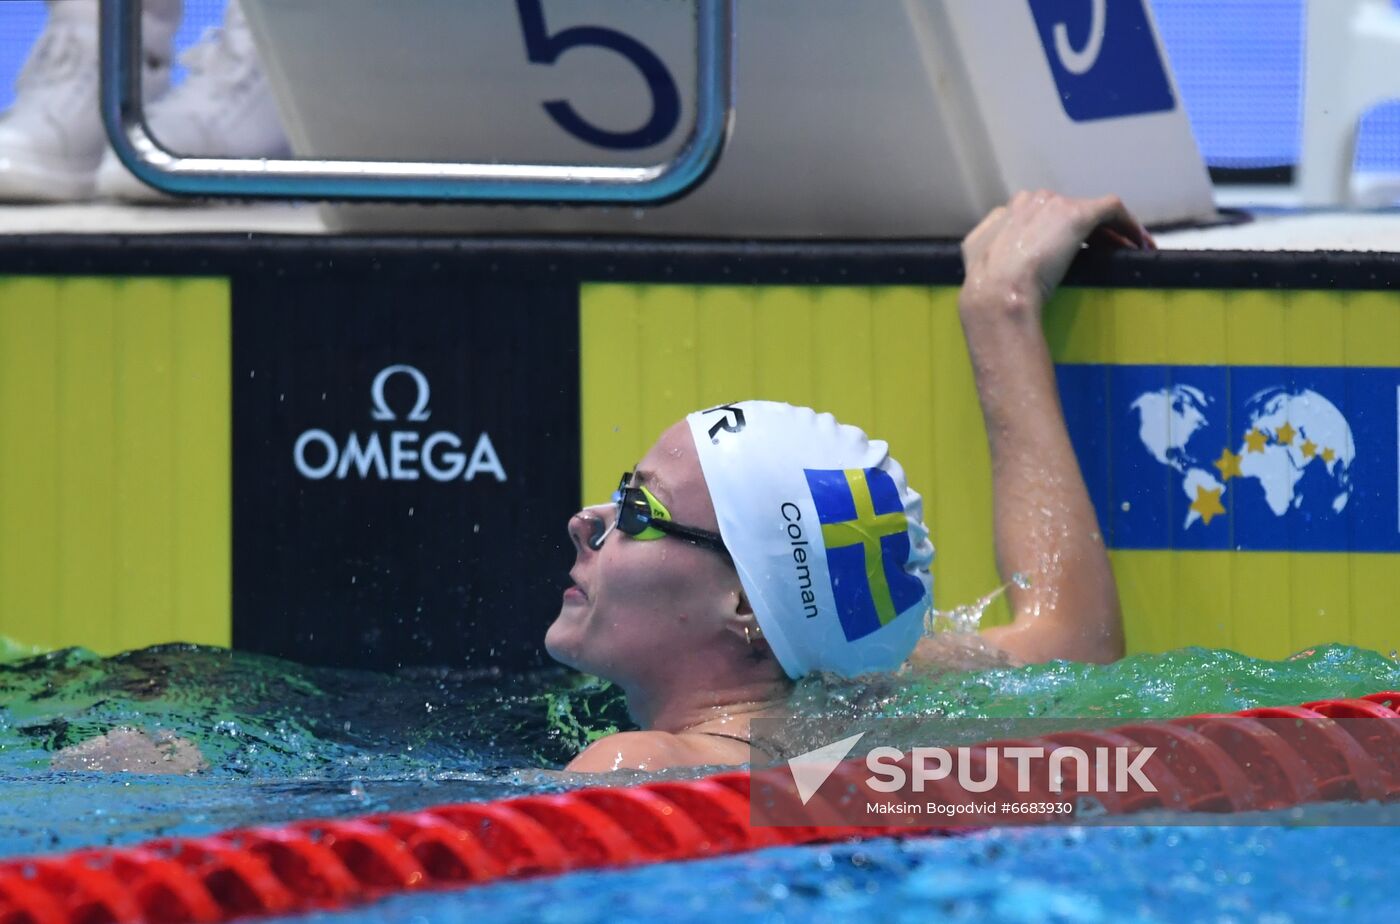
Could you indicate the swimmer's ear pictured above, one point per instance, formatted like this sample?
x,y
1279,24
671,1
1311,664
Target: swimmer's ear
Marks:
x,y
741,621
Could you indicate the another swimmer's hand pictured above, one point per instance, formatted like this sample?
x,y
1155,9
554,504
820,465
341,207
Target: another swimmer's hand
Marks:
x,y
1019,253
132,750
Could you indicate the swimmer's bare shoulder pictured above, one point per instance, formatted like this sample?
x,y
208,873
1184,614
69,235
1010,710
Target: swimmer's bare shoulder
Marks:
x,y
958,651
657,750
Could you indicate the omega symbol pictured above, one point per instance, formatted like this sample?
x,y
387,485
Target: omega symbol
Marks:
x,y
382,411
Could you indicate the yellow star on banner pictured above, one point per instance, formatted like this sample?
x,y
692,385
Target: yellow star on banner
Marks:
x,y
1286,434
1228,464
1207,503
1255,440
1328,455
1309,449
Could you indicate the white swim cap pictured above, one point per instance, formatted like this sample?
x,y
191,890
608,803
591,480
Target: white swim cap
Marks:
x,y
828,539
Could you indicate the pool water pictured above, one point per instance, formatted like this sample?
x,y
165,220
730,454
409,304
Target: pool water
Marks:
x,y
285,741
1269,875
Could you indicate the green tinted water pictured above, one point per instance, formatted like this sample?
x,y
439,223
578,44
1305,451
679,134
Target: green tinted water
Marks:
x,y
285,741
1182,682
252,715
261,716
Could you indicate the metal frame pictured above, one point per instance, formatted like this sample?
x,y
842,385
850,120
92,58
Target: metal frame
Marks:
x,y
406,181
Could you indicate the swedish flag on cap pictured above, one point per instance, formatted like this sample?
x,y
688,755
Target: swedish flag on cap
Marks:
x,y
867,545
826,535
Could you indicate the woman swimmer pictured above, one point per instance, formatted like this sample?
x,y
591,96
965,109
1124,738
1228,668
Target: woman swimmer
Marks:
x,y
761,508
707,633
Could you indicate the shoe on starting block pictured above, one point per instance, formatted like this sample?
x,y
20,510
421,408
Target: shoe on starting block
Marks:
x,y
223,109
52,139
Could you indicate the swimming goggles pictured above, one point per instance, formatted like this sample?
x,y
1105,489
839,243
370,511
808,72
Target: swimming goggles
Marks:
x,y
641,516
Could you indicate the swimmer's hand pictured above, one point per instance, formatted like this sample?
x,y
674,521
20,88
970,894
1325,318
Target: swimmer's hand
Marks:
x,y
1020,252
1045,524
131,750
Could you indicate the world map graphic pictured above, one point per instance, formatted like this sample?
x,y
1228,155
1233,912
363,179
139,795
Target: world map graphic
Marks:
x,y
1286,435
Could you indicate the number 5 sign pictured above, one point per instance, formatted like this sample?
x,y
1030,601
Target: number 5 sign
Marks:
x,y
543,48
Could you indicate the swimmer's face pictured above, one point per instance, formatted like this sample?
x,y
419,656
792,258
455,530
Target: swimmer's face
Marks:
x,y
633,604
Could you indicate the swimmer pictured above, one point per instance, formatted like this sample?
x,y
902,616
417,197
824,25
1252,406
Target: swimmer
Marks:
x,y
705,589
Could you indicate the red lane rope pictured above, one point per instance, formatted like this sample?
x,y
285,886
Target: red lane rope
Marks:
x,y
1228,762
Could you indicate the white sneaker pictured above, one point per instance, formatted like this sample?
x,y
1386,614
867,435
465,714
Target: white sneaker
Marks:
x,y
51,139
223,109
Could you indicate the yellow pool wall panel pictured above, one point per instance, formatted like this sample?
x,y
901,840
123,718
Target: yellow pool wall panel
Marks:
x,y
114,461
891,359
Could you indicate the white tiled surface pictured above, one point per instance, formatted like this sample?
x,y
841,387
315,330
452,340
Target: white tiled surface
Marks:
x,y
1375,230
110,218
1302,231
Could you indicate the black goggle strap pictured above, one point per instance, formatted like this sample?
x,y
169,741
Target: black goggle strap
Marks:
x,y
635,503
691,534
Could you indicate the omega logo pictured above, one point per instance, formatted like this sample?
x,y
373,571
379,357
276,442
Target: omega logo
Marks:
x,y
441,456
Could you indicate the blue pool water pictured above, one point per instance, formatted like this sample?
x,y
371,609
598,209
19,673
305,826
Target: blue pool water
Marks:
x,y
285,741
1270,875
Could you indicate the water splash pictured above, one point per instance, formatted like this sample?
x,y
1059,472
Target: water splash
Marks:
x,y
968,616
1186,681
11,650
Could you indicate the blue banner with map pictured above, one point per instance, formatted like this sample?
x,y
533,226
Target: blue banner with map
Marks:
x,y
1242,458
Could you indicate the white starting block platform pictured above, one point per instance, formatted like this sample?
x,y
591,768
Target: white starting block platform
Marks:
x,y
1358,231
853,119
899,120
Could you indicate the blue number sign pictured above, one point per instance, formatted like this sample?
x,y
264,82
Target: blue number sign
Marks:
x,y
1104,58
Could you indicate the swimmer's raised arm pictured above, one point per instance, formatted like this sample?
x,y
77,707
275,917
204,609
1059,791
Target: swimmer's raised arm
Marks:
x,y
1045,524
